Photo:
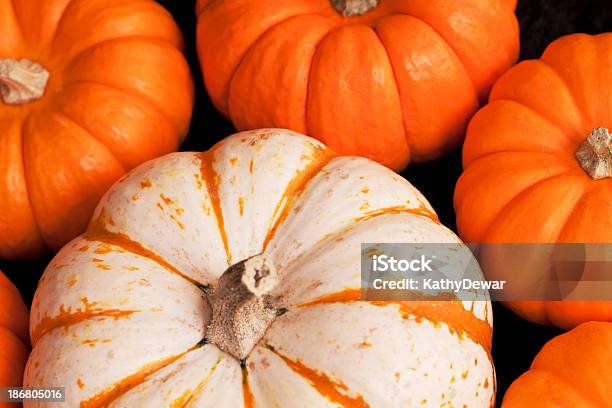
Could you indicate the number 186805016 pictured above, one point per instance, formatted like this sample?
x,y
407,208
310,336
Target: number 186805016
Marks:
x,y
19,394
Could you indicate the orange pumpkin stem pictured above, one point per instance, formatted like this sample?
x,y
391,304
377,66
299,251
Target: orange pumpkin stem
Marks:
x,y
595,154
348,8
242,308
22,81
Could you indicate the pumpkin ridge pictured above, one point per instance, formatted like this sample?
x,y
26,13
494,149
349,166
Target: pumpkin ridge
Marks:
x,y
570,216
97,232
186,399
344,229
247,51
307,96
407,128
321,157
397,90
322,383
452,314
453,49
578,205
514,199
134,93
562,129
126,38
487,155
570,91
115,391
62,114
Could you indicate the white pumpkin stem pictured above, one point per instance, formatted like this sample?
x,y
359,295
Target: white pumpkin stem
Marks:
x,y
242,307
595,154
348,8
22,81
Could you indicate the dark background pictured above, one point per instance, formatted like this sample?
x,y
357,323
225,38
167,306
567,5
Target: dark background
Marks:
x,y
515,342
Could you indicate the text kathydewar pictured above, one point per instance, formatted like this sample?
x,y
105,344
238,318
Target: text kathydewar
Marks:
x,y
429,284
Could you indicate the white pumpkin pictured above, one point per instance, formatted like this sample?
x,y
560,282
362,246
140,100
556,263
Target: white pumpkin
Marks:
x,y
123,316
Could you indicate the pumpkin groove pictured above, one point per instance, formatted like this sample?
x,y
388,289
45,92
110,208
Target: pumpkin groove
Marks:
x,y
211,178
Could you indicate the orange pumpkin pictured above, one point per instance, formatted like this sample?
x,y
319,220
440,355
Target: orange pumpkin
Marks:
x,y
89,89
391,80
538,162
571,371
14,339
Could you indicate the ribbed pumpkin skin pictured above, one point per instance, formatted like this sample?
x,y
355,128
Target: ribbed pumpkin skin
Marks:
x,y
396,84
119,320
14,339
119,93
571,371
522,183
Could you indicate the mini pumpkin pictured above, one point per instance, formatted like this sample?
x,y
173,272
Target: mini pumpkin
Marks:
x,y
392,80
140,309
85,95
538,163
14,340
571,371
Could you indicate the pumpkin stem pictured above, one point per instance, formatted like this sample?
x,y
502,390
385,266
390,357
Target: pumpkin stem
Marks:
x,y
595,154
22,81
242,307
348,8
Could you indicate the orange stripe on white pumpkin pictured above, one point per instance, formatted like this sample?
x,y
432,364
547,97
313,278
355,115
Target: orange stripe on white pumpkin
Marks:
x,y
450,312
67,317
211,178
115,391
97,232
321,157
189,396
327,387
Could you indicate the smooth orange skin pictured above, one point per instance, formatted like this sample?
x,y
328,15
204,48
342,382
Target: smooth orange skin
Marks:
x,y
14,339
397,84
521,182
120,93
571,371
